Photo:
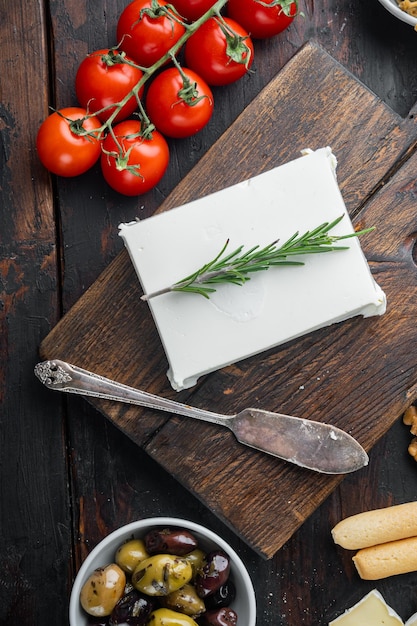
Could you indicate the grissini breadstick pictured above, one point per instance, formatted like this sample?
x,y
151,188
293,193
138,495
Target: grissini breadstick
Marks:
x,y
378,526
387,559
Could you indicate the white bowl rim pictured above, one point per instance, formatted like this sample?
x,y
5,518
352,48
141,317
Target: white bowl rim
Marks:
x,y
394,9
161,521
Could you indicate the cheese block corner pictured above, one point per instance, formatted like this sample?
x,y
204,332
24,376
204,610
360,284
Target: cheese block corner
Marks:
x,y
372,610
202,335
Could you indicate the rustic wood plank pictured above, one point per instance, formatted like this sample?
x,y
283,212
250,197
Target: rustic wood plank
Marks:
x,y
35,538
109,314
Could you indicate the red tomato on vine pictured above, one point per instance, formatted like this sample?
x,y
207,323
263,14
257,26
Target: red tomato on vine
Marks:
x,y
147,29
192,9
263,18
62,144
131,163
179,102
104,78
220,51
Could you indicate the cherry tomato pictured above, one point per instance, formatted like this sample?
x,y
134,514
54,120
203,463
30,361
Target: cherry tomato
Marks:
x,y
220,51
61,150
132,164
105,77
179,103
263,18
146,30
192,9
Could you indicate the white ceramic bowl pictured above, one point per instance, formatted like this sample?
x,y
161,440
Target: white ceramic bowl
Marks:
x,y
394,9
103,554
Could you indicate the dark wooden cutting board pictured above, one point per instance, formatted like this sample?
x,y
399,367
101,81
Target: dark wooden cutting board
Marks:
x,y
359,375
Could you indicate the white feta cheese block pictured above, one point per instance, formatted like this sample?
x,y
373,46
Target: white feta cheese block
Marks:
x,y
201,335
372,610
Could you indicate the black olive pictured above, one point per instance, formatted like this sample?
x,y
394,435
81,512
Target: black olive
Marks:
x,y
219,617
224,596
133,609
213,574
176,541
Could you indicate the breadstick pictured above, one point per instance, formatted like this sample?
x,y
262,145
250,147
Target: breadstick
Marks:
x,y
387,559
377,526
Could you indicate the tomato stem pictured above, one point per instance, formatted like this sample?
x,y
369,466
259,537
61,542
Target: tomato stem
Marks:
x,y
236,48
113,57
188,92
77,127
286,6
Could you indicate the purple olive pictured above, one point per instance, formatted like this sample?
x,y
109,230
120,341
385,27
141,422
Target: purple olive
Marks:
x,y
176,541
224,616
224,596
133,609
214,573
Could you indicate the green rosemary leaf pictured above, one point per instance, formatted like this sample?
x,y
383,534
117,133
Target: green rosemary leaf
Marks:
x,y
237,266
203,291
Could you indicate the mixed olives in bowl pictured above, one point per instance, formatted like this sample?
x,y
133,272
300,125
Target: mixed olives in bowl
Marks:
x,y
163,572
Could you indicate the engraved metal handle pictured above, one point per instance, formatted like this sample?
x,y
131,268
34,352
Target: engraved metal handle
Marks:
x,y
62,376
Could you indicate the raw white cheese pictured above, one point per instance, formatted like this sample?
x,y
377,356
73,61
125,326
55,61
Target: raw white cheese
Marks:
x,y
372,610
275,306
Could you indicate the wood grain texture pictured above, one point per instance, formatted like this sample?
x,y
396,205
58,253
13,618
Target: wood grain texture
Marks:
x,y
34,510
335,375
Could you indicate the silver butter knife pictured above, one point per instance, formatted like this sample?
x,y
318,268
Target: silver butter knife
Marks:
x,y
306,443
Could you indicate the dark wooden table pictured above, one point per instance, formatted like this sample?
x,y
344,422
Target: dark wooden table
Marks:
x,y
68,477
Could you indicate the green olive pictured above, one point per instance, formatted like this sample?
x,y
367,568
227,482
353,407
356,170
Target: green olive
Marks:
x,y
196,558
185,600
102,590
166,617
130,554
161,574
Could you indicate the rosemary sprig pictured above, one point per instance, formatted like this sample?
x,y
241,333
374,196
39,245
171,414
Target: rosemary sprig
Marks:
x,y
237,266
